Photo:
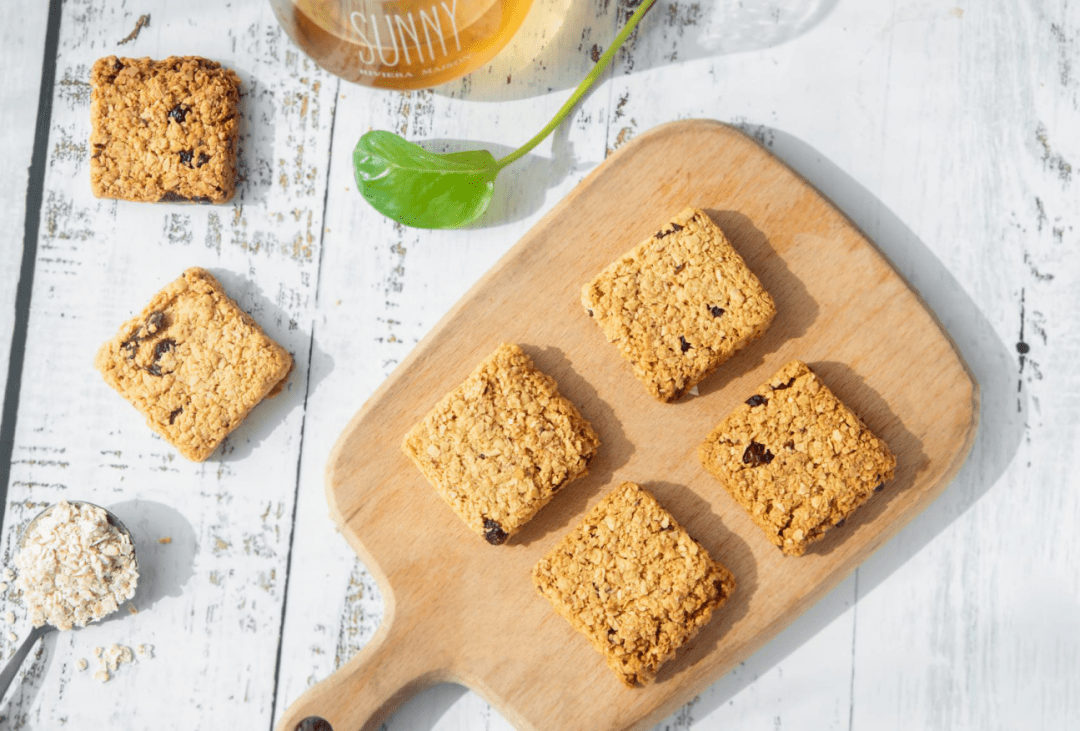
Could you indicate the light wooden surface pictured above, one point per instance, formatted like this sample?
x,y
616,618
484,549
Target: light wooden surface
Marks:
x,y
465,611
945,131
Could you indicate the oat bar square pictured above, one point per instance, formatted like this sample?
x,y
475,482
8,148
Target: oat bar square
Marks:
x,y
796,458
194,364
633,582
679,304
163,130
499,446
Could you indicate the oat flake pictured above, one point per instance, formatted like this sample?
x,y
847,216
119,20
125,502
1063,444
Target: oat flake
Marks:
x,y
74,567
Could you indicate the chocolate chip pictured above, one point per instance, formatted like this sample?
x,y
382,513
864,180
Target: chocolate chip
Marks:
x,y
590,312
154,322
154,370
680,267
756,400
185,157
662,233
203,159
716,311
173,197
483,456
683,344
757,455
179,112
782,386
880,487
175,413
163,347
493,532
840,523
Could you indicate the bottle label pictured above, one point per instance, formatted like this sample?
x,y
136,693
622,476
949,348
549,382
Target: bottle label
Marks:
x,y
425,34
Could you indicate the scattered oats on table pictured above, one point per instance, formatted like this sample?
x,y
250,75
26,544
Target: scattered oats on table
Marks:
x,y
165,540
81,664
12,637
102,676
117,655
9,617
146,651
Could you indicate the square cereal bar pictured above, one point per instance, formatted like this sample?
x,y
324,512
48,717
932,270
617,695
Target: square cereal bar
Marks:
x,y
679,304
633,582
796,458
499,446
163,130
194,364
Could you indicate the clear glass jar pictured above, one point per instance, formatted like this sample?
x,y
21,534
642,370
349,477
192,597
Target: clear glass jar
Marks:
x,y
401,44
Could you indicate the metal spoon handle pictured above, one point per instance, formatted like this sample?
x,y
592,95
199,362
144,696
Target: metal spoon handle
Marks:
x,y
16,661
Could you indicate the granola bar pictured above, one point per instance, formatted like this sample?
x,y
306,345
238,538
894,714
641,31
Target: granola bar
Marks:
x,y
679,304
499,446
796,458
194,364
633,582
163,130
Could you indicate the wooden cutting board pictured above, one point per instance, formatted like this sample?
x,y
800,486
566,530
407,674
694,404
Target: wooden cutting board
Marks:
x,y
460,610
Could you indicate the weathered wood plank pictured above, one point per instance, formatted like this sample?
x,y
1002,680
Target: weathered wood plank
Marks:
x,y
211,600
22,45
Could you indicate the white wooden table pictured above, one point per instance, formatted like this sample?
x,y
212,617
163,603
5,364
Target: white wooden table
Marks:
x,y
948,132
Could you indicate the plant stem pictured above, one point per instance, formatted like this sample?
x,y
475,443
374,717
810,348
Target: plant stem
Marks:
x,y
583,87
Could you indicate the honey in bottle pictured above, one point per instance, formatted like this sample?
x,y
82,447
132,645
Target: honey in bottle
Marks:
x,y
401,44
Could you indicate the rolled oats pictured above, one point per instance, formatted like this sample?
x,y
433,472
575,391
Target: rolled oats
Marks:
x,y
75,567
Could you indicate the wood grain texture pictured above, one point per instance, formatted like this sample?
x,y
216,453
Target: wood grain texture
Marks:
x,y
460,610
22,41
946,132
219,584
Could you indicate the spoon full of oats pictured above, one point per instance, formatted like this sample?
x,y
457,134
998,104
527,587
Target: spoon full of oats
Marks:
x,y
76,564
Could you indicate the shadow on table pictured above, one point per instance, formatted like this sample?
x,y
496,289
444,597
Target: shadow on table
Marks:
x,y
992,363
164,568
561,40
309,369
522,188
24,689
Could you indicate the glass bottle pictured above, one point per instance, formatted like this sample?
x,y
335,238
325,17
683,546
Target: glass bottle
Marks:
x,y
401,44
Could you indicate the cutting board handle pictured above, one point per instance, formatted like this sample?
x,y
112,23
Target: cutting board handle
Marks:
x,y
364,692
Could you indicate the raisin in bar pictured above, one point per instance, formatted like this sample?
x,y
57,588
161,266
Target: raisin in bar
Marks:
x,y
194,364
796,458
499,446
163,130
679,304
633,582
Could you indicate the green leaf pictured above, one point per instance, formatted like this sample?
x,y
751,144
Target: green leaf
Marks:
x,y
413,186
419,188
